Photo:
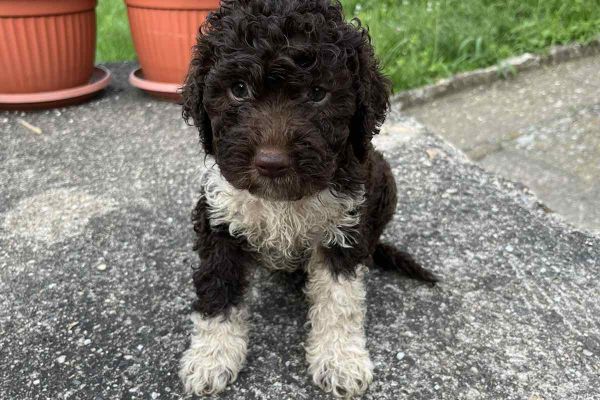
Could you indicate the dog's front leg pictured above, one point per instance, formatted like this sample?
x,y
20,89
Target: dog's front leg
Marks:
x,y
336,349
220,332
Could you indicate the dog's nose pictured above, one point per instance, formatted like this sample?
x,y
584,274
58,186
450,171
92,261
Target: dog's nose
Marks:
x,y
271,162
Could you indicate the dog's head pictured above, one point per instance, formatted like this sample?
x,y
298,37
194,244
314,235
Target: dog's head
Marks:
x,y
286,95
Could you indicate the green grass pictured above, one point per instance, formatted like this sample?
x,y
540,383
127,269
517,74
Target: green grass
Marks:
x,y
420,41
114,38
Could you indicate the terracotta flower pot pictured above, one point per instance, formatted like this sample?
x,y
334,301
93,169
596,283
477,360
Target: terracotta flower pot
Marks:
x,y
164,32
46,45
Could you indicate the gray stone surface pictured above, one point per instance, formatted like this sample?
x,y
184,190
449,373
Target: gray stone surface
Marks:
x,y
560,160
95,279
505,68
541,128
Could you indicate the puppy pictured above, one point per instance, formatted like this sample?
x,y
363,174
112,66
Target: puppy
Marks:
x,y
286,96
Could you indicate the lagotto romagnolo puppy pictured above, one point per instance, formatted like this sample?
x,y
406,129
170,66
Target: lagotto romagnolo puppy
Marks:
x,y
286,96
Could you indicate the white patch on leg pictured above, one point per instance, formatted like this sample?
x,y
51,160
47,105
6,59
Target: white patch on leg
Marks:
x,y
336,351
216,354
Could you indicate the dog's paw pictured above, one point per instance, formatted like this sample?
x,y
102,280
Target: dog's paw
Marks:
x,y
344,374
205,374
216,355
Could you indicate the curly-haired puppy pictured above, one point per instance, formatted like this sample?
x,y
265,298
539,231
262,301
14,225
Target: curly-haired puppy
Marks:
x,y
286,96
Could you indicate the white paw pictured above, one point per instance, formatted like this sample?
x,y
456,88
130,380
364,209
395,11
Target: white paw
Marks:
x,y
205,374
216,354
345,372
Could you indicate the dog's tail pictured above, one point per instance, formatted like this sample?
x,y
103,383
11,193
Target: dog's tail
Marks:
x,y
390,258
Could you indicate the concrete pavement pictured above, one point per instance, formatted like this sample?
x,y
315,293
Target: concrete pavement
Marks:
x,y
95,278
541,128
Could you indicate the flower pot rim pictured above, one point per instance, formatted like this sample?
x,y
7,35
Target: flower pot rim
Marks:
x,y
37,8
198,5
162,90
101,77
136,79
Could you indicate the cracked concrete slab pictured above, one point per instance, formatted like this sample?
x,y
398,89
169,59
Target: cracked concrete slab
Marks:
x,y
541,128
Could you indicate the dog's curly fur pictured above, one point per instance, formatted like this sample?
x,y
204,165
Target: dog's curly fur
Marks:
x,y
311,88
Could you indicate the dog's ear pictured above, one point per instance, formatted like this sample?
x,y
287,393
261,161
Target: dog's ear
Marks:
x,y
372,97
193,93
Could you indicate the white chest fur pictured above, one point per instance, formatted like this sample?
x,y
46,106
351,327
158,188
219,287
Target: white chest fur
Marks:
x,y
281,231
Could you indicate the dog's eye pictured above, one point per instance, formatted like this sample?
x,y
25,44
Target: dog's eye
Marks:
x,y
317,94
240,90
